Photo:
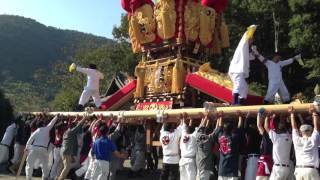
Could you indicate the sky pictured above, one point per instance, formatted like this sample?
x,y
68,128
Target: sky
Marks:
x,y
97,17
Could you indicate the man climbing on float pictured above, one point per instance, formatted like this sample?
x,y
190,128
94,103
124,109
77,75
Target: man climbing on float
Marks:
x,y
240,65
92,88
276,83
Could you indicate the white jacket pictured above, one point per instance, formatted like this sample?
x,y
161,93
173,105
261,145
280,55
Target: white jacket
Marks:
x,y
240,62
93,77
170,145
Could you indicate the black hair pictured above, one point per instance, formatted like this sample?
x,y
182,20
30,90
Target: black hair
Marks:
x,y
141,129
228,127
85,128
208,130
190,129
40,124
103,130
72,125
167,126
92,66
202,130
111,128
281,124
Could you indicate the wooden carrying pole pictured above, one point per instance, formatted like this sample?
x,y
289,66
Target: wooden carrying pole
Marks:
x,y
192,112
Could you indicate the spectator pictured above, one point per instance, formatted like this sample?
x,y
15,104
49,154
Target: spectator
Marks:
x,y
102,149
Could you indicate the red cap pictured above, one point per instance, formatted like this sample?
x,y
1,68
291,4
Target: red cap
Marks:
x,y
218,5
132,5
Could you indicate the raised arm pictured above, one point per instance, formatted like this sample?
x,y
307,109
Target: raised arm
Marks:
x,y
258,55
286,62
266,123
246,123
78,129
315,117
82,70
292,118
53,122
260,123
219,123
240,119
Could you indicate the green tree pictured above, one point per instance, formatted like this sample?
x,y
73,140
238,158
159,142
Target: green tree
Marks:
x,y
6,112
304,37
304,33
24,96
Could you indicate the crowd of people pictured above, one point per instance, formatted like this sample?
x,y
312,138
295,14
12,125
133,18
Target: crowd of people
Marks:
x,y
73,147
268,146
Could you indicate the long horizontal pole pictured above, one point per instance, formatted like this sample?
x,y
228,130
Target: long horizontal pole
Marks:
x,y
192,112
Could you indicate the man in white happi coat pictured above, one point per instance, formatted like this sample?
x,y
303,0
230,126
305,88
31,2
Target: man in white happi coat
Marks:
x,y
37,148
92,88
276,84
240,65
282,142
169,140
6,142
188,147
306,146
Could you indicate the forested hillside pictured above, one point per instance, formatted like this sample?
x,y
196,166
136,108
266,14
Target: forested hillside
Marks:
x,y
26,45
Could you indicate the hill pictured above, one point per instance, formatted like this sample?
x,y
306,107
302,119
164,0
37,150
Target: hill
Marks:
x,y
27,45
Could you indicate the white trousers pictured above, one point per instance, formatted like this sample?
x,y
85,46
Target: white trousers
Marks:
x,y
4,154
17,153
280,173
188,171
87,93
85,164
39,154
101,170
281,88
252,168
91,167
306,174
51,155
240,85
57,163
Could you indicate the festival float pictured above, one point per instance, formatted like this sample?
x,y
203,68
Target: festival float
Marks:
x,y
175,39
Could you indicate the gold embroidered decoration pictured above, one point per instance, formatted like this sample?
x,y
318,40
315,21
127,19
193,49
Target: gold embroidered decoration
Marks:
x,y
178,77
143,24
224,34
207,25
135,45
165,15
140,72
191,20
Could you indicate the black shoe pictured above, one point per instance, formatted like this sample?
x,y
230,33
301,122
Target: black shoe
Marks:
x,y
266,102
79,108
242,101
235,99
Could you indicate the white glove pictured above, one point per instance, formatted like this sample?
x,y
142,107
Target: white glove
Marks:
x,y
72,67
297,57
254,50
